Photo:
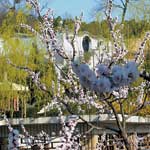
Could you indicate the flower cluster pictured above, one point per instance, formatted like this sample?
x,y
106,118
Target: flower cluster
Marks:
x,y
101,141
78,24
69,139
13,140
121,93
105,79
43,136
34,4
28,139
47,31
141,94
119,47
139,57
13,137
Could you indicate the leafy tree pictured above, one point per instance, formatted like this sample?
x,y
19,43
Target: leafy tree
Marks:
x,y
68,22
134,28
58,22
9,4
16,39
125,7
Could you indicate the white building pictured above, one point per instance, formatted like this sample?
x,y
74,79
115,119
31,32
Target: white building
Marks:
x,y
84,43
1,46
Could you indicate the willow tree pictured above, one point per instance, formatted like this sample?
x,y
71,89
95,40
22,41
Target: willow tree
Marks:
x,y
21,47
127,8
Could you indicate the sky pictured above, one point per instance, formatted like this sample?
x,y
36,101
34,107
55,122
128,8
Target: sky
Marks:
x,y
70,7
73,8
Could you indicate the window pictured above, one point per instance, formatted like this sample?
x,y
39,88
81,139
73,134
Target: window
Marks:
x,y
86,43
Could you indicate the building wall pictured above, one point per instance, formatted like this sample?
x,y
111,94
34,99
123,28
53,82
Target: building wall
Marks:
x,y
1,46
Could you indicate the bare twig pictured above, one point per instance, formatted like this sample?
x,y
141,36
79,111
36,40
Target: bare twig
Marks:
x,y
139,108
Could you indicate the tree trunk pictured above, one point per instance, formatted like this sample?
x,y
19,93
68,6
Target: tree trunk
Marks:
x,y
124,11
126,141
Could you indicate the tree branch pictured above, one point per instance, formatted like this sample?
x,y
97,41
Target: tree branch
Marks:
x,y
122,3
145,75
116,116
139,108
88,123
123,115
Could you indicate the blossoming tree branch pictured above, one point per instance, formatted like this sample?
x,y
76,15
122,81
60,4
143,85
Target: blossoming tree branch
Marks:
x,y
102,86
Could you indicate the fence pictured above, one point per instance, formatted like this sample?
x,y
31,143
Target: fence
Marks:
x,y
110,142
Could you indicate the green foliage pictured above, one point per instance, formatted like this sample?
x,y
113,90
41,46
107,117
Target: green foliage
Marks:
x,y
25,52
8,25
133,28
11,23
69,23
57,23
87,56
147,59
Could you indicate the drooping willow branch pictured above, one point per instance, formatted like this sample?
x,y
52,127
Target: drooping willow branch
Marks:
x,y
33,75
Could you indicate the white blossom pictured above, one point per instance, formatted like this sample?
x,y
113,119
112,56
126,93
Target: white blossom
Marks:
x,y
121,93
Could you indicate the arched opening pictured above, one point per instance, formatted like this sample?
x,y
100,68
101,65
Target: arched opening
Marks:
x,y
86,43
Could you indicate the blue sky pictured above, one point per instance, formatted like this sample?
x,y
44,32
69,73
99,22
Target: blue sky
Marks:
x,y
73,8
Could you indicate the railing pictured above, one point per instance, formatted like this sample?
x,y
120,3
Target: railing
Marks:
x,y
137,143
111,142
37,142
